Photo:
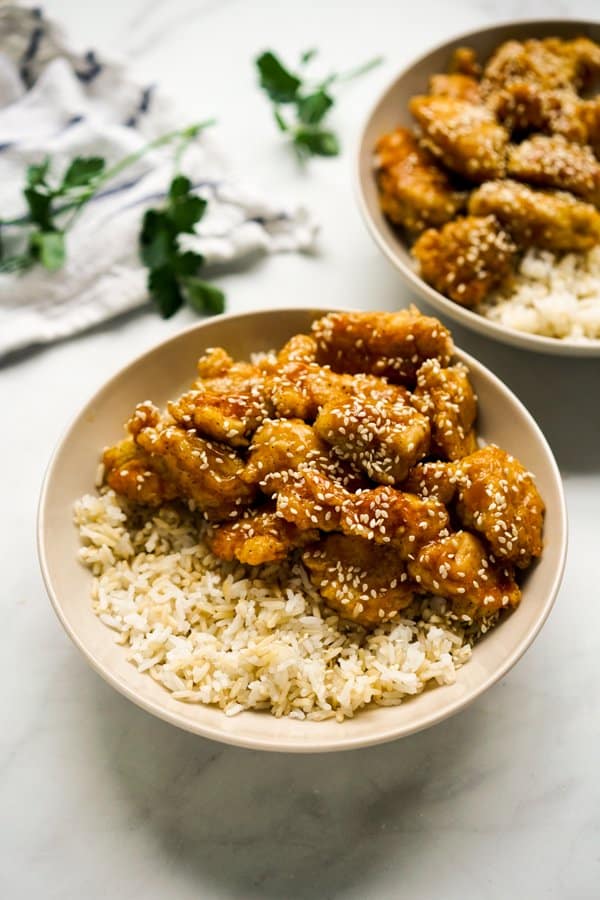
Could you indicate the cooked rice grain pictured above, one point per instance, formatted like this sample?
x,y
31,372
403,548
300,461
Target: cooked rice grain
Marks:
x,y
248,638
552,296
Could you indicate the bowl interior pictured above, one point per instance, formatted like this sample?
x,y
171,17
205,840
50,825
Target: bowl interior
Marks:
x,y
390,111
162,372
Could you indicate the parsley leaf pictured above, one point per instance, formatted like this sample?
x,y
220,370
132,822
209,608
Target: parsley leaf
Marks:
x,y
280,84
49,201
310,102
173,276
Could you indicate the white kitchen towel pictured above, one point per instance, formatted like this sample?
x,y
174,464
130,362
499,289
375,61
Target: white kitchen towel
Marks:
x,y
58,103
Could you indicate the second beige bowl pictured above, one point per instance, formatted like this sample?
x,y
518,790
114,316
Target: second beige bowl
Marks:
x,y
163,372
390,111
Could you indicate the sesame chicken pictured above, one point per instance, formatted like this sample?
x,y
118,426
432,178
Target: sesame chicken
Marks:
x,y
432,479
455,85
392,345
551,64
523,107
360,450
363,582
498,498
459,568
257,537
465,259
552,161
553,220
383,437
387,516
464,136
464,62
414,191
200,470
446,397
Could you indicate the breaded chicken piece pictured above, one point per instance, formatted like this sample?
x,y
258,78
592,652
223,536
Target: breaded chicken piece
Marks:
x,y
498,498
446,397
129,472
455,85
200,470
552,161
523,107
382,437
281,446
458,567
231,416
312,499
466,258
432,479
393,345
298,390
299,348
465,136
550,63
414,191
464,62
553,220
259,536
363,582
387,516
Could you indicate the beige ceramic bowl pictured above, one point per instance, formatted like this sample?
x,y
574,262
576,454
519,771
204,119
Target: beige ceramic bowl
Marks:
x,y
390,111
163,372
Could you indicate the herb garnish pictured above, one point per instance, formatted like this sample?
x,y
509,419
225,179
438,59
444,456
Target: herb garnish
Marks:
x,y
300,106
172,278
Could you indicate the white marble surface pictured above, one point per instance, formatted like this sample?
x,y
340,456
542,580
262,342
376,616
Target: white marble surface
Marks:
x,y
98,799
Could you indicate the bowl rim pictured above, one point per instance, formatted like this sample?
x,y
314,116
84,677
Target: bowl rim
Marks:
x,y
465,317
344,742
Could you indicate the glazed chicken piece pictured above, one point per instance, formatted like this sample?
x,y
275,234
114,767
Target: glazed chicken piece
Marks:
x,y
393,345
387,516
414,192
129,472
465,136
464,62
228,400
446,397
299,348
362,582
458,567
380,436
231,416
455,85
259,536
432,479
298,389
280,447
589,116
557,163
197,469
466,258
312,499
498,498
553,220
551,64
523,107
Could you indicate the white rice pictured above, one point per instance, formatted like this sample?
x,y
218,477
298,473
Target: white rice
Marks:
x,y
248,638
551,296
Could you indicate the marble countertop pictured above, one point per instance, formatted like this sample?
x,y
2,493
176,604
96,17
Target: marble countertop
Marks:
x,y
99,799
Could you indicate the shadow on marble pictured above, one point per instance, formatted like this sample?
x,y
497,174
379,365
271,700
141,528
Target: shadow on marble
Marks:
x,y
303,827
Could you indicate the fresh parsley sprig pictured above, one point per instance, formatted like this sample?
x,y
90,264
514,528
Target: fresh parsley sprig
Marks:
x,y
54,204
173,277
301,105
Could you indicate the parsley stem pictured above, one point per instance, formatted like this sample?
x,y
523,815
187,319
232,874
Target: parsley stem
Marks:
x,y
186,135
352,73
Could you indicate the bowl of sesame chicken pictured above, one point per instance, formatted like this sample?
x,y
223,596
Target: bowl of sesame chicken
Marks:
x,y
303,530
479,178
